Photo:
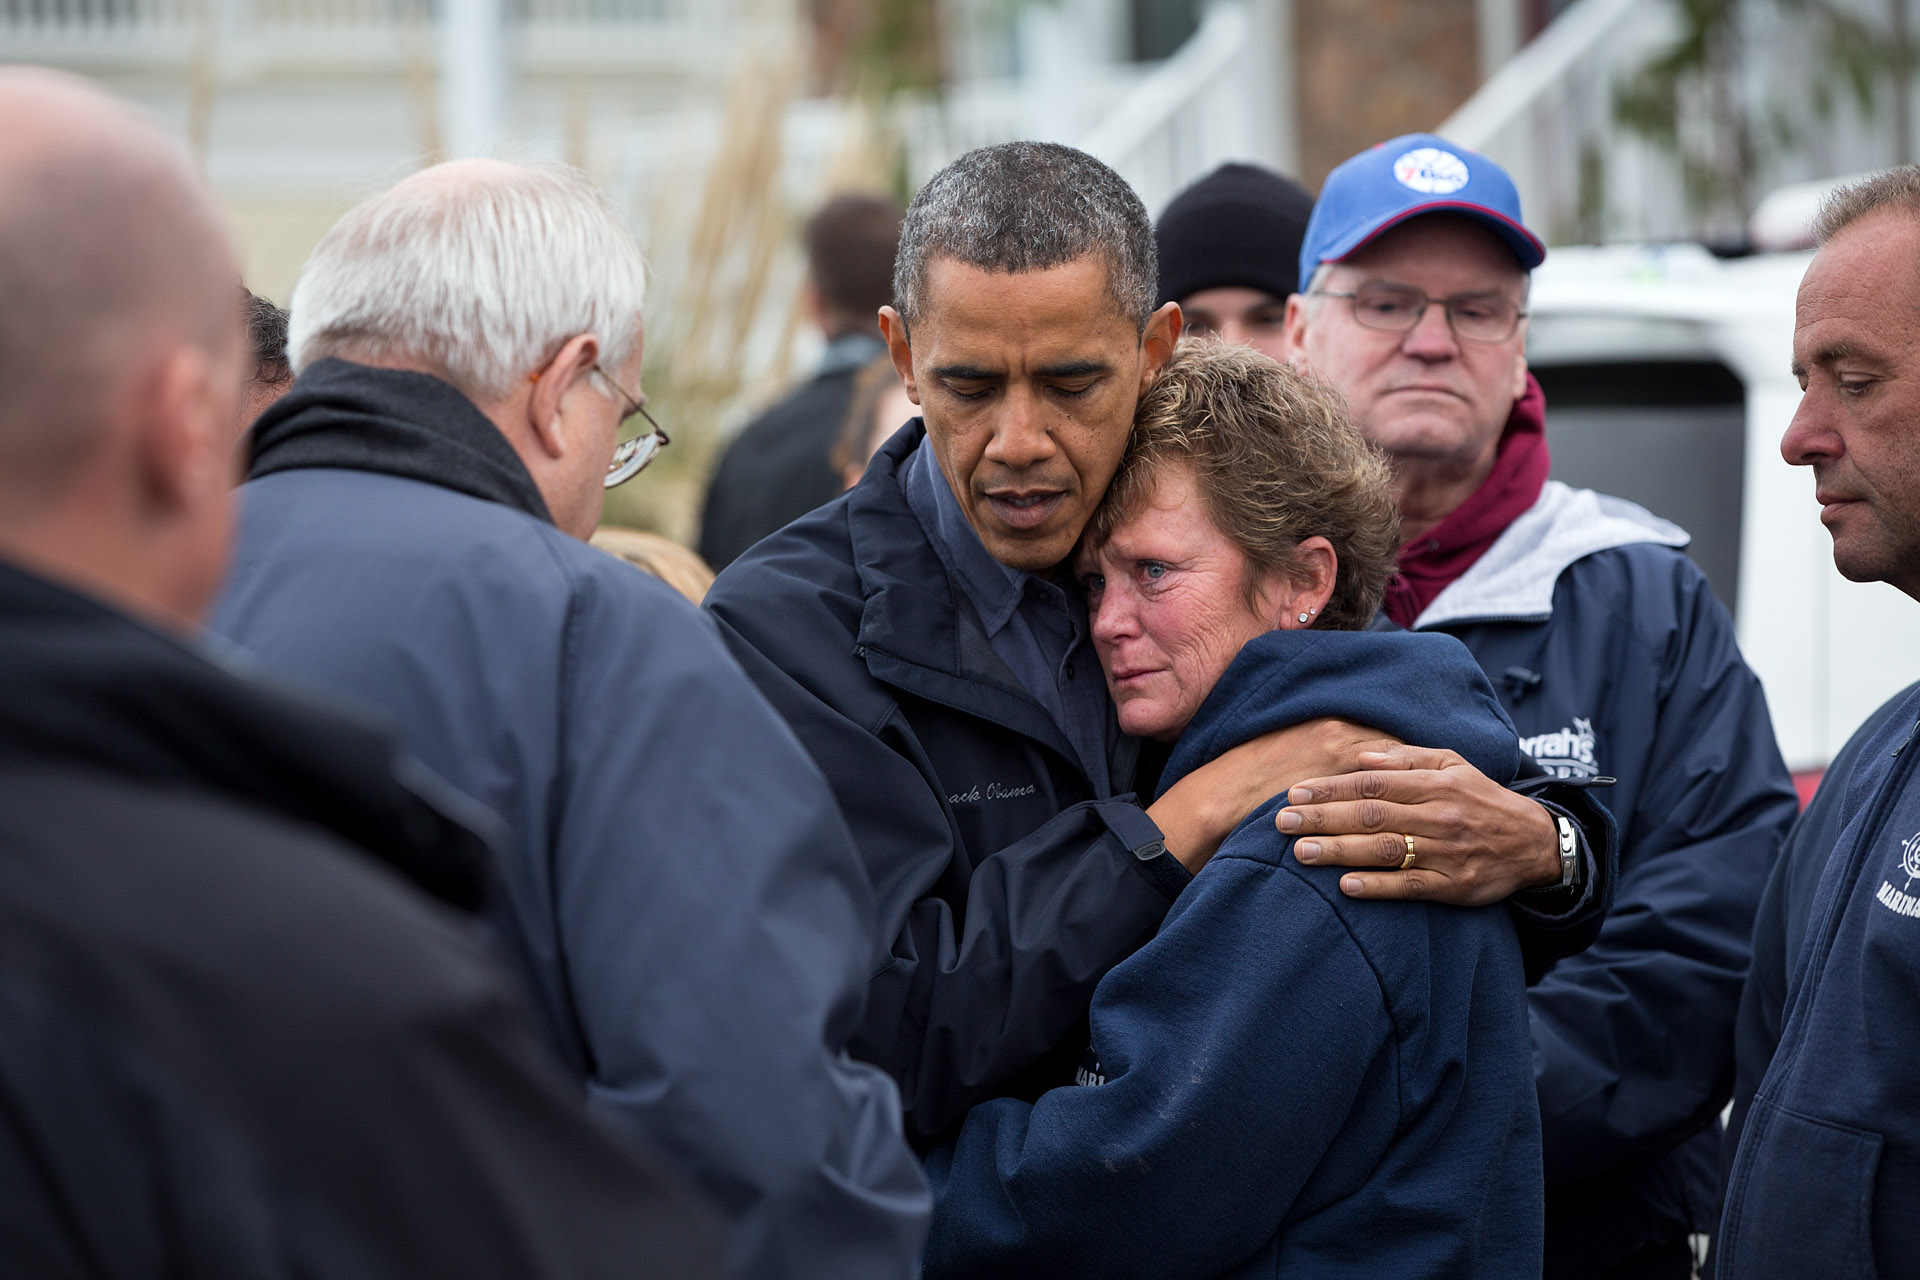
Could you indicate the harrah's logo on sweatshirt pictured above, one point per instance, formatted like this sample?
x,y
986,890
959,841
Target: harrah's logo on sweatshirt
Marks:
x,y
1566,753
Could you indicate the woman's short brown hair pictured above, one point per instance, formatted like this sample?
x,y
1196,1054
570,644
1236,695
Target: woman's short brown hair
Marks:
x,y
1276,459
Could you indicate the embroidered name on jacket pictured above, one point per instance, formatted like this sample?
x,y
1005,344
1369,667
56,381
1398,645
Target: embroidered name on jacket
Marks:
x,y
1903,901
991,791
1566,753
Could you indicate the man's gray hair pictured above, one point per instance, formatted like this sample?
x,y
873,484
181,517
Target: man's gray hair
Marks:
x,y
1897,189
480,270
1028,206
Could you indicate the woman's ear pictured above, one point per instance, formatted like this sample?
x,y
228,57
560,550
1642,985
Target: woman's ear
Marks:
x,y
1304,587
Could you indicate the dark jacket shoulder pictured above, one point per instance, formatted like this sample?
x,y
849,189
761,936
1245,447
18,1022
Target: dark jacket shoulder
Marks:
x,y
242,1041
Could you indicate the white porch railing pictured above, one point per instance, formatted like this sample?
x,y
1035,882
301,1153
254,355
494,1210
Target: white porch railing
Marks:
x,y
1548,116
1218,98
256,36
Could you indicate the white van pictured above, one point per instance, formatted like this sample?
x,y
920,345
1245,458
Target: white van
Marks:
x,y
1668,381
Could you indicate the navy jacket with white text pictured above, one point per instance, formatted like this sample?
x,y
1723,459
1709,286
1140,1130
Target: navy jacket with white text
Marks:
x,y
1827,1178
1612,656
1780,928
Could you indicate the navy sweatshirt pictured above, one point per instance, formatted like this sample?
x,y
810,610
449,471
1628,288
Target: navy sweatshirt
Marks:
x,y
1826,1181
1283,1079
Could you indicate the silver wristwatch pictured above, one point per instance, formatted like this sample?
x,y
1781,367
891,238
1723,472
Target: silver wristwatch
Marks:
x,y
1569,851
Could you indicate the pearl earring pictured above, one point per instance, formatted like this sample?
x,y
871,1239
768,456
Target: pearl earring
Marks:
x,y
1304,616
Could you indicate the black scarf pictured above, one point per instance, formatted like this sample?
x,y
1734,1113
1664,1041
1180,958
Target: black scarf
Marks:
x,y
358,418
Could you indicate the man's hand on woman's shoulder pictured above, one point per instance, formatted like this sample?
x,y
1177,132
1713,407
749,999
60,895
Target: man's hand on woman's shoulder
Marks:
x,y
1473,841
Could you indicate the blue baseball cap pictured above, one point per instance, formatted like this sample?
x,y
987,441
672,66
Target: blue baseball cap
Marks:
x,y
1417,173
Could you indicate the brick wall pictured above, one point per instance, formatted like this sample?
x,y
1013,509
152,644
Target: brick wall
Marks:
x,y
1370,69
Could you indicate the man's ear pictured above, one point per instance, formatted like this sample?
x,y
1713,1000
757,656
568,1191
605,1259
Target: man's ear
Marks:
x,y
1304,586
551,383
185,448
1293,329
1158,340
894,330
1520,367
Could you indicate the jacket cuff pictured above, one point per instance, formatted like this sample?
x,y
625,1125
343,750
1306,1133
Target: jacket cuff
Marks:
x,y
1143,844
1563,902
1557,904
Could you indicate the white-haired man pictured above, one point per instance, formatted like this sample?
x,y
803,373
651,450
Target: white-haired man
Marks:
x,y
246,1028
681,890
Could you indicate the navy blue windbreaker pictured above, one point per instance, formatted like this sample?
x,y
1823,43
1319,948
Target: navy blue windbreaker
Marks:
x,y
1006,886
1613,658
1781,923
1826,1181
1285,1080
681,893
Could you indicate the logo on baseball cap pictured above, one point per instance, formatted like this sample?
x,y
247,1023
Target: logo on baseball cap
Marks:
x,y
1419,173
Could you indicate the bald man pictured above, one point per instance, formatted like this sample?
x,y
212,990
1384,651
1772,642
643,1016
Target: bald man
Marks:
x,y
246,1028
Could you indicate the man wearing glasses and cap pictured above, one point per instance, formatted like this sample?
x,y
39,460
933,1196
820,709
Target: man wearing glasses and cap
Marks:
x,y
1608,650
678,887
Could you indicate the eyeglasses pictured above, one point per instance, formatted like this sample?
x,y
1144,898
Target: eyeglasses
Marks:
x,y
1397,308
630,457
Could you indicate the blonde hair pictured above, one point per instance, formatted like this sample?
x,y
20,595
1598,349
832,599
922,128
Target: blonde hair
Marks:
x,y
1276,459
665,559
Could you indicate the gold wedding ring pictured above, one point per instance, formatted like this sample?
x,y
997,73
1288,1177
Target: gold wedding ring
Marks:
x,y
1408,862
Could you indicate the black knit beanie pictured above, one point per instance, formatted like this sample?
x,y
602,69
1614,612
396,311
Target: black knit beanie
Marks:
x,y
1238,227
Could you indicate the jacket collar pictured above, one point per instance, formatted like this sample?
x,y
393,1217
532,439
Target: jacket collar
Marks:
x,y
918,632
993,589
355,417
1514,579
93,688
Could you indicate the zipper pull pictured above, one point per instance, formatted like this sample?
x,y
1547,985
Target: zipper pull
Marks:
x,y
1519,680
